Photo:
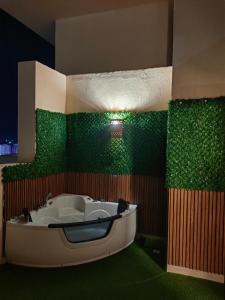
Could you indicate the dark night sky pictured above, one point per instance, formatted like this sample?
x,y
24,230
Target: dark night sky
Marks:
x,y
17,43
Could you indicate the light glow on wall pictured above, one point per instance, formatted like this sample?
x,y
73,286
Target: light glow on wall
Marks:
x,y
139,90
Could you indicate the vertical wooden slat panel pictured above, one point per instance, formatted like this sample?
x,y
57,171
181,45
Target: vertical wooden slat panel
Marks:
x,y
206,232
203,217
210,232
177,214
214,207
174,230
170,233
188,228
222,233
184,228
196,230
181,232
198,226
217,232
192,215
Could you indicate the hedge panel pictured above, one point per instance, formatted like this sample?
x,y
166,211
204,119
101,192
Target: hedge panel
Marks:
x,y
50,155
141,150
196,144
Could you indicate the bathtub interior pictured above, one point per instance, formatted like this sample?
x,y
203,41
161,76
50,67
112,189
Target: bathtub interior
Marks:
x,y
68,208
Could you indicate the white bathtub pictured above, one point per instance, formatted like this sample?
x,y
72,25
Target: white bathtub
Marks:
x,y
69,230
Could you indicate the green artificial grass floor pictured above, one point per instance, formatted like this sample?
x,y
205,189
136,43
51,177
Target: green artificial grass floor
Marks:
x,y
134,273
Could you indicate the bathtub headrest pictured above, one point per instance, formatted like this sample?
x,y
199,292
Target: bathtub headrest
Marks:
x,y
27,215
122,206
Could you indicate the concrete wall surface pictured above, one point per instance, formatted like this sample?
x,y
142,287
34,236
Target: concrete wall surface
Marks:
x,y
126,39
199,49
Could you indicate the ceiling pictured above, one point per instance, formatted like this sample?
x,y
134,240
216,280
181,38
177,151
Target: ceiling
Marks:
x,y
39,15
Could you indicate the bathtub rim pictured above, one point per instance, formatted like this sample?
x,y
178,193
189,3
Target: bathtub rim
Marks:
x,y
16,220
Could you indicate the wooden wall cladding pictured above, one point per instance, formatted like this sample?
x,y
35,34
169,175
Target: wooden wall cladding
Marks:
x,y
196,230
30,193
148,192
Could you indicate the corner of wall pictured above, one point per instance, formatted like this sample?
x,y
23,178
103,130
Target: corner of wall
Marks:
x,y
26,110
50,89
38,87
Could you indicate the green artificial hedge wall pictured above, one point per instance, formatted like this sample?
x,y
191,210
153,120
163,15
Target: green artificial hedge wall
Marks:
x,y
50,155
82,143
141,150
196,144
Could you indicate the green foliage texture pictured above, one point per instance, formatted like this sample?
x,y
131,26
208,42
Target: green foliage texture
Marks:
x,y
141,150
50,155
82,142
196,144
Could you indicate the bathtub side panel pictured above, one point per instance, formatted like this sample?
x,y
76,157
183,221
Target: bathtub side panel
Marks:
x,y
45,247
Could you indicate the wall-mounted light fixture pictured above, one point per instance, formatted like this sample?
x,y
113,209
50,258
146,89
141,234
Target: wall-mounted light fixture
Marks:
x,y
116,128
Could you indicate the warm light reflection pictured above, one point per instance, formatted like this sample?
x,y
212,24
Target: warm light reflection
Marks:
x,y
139,90
116,122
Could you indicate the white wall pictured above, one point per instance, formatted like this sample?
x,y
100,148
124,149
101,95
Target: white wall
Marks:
x,y
26,111
199,48
125,39
39,87
140,90
50,89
